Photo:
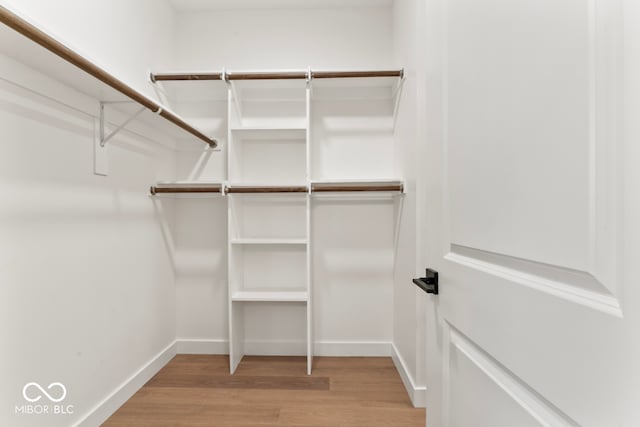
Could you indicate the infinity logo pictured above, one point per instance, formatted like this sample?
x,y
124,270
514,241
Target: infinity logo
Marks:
x,y
43,391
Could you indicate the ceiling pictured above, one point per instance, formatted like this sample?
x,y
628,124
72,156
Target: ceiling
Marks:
x,y
196,5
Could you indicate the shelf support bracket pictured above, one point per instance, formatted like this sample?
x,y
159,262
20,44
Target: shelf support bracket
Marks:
x,y
104,139
100,139
397,93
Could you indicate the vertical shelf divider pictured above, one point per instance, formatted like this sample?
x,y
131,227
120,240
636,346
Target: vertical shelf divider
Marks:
x,y
236,314
309,239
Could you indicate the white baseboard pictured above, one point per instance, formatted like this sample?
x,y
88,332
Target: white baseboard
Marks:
x,y
418,394
275,348
128,388
290,348
202,346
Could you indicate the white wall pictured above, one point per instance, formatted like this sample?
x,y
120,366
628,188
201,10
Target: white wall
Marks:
x,y
409,312
87,291
283,38
352,257
127,38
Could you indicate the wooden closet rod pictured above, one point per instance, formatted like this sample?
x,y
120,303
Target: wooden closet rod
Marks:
x,y
54,46
157,190
361,187
274,75
266,189
158,77
352,74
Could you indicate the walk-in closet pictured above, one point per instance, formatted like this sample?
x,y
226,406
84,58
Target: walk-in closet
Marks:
x,y
319,213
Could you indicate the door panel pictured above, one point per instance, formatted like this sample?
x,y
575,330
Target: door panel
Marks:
x,y
524,178
518,128
486,391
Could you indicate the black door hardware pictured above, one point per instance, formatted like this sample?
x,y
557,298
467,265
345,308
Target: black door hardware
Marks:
x,y
428,283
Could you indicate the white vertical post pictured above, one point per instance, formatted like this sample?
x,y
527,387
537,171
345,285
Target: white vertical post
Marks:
x,y
309,245
235,310
229,132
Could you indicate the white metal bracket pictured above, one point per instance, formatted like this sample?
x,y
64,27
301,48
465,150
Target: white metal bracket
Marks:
x,y
237,103
100,158
309,79
309,76
104,139
100,139
397,93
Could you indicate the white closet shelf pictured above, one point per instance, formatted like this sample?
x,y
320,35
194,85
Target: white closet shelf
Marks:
x,y
352,84
271,132
268,241
275,296
354,88
264,78
33,47
194,91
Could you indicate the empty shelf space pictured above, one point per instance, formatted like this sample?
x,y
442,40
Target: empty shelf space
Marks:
x,y
182,91
385,87
276,296
268,241
266,219
285,150
268,90
256,105
271,133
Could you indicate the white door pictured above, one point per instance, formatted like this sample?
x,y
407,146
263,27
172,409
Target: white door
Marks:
x,y
532,218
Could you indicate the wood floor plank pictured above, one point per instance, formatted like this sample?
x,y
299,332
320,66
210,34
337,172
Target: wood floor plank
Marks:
x,y
238,381
271,391
324,416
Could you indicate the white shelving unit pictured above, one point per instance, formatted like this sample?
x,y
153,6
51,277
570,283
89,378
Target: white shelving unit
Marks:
x,y
269,239
280,157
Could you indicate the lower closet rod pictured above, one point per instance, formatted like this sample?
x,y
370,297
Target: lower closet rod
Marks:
x,y
157,190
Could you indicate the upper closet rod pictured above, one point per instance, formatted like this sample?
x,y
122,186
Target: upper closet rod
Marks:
x,y
350,74
159,77
54,46
357,187
274,75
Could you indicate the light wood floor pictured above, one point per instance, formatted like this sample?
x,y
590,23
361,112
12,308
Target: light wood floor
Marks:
x,y
272,391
